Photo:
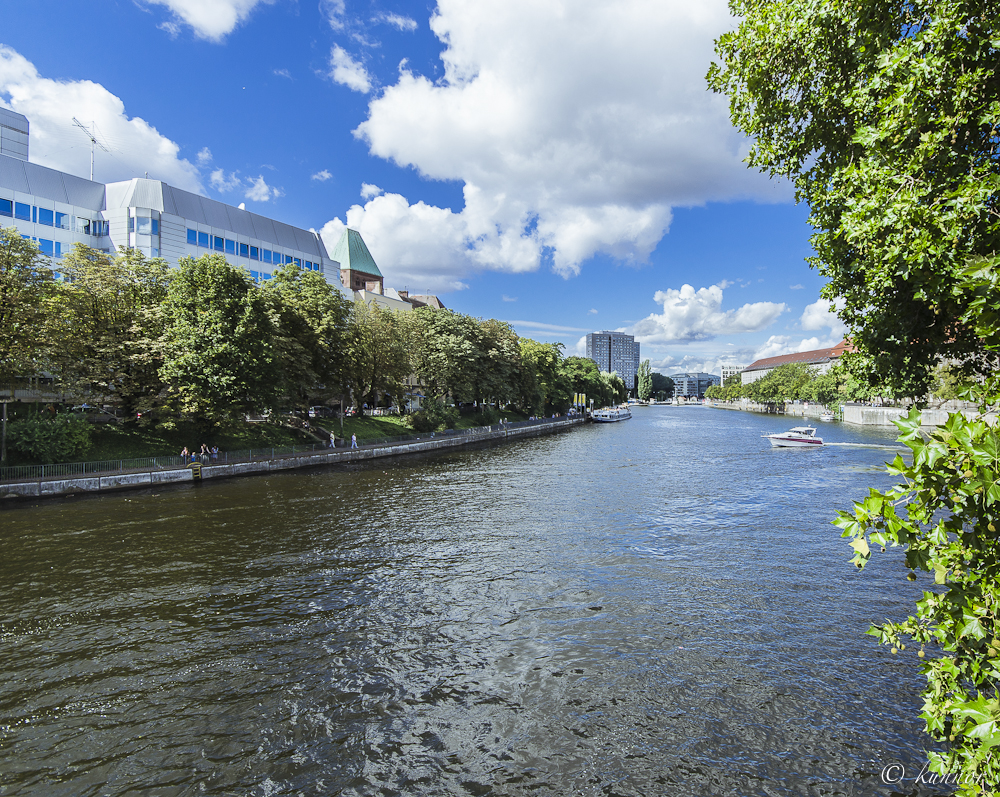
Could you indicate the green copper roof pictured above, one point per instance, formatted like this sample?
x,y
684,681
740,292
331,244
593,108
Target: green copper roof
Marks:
x,y
352,253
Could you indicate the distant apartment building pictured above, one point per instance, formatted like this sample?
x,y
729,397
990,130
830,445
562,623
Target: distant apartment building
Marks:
x,y
693,385
730,370
615,351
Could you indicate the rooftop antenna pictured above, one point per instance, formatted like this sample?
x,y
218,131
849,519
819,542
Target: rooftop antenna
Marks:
x,y
93,142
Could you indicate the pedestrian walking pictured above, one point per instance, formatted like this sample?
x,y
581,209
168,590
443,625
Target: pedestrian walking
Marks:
x,y
333,440
354,441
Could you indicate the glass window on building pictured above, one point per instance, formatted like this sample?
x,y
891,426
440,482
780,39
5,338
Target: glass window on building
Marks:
x,y
22,211
254,253
6,207
230,247
265,255
203,240
255,276
244,250
47,247
297,262
46,217
131,224
220,243
62,220
192,237
58,249
288,259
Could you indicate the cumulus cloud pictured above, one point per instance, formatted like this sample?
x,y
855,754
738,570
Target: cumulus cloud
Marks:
x,y
397,21
223,184
579,348
348,72
368,191
50,105
822,314
574,128
592,311
204,156
689,315
259,191
209,19
335,12
322,176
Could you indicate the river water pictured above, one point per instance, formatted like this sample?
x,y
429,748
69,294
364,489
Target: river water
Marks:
x,y
653,607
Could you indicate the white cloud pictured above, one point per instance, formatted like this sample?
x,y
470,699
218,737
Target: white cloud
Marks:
x,y
50,105
784,344
507,298
689,315
282,73
542,328
204,156
397,21
592,311
368,191
579,348
575,128
209,19
348,72
795,287
822,314
223,184
335,12
322,176
260,191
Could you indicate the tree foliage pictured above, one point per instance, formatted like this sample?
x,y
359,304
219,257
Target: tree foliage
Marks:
x,y
378,354
219,357
26,287
110,323
50,439
885,115
644,381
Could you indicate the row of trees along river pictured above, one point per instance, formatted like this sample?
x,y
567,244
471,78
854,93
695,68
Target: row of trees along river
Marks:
x,y
204,341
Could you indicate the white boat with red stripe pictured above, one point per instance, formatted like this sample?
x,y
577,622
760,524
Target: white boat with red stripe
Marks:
x,y
796,437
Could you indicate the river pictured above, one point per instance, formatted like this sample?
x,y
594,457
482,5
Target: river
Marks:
x,y
659,606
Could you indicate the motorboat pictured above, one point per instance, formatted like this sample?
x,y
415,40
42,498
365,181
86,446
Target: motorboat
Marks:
x,y
796,437
827,416
611,414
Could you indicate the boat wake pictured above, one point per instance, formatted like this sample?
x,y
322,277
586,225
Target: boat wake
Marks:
x,y
870,445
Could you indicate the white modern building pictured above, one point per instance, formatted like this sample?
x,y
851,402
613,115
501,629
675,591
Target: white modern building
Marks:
x,y
56,210
693,385
730,370
615,351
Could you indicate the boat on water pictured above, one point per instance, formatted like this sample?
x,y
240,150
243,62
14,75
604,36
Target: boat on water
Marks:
x,y
611,414
827,416
796,437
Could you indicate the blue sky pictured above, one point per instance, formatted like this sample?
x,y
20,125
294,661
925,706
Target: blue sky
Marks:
x,y
560,166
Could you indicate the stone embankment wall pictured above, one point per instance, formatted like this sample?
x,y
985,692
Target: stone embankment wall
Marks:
x,y
863,414
94,484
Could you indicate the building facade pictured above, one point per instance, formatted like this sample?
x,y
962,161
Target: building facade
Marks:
x,y
820,360
730,370
615,351
56,210
693,385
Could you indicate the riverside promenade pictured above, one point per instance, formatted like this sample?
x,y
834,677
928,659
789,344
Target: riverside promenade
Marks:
x,y
157,476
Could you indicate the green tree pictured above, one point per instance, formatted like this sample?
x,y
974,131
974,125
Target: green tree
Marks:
x,y
614,387
26,290
312,328
498,363
583,376
218,345
64,438
542,387
663,386
378,350
886,117
784,383
644,381
445,352
111,321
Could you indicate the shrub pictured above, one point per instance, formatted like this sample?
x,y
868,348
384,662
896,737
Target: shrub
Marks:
x,y
57,439
434,417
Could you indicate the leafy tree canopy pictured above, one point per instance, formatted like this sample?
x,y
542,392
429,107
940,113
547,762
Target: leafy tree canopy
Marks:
x,y
885,116
26,287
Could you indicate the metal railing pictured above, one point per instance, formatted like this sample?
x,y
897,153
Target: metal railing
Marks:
x,y
16,473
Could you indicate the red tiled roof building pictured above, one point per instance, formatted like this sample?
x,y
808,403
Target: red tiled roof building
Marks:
x,y
822,359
